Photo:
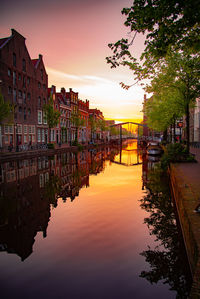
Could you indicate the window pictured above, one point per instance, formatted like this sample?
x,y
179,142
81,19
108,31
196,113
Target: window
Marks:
x,y
24,97
24,65
29,96
20,109
24,82
44,118
28,80
20,94
14,78
9,72
24,113
9,90
25,138
25,129
39,101
19,129
11,129
39,84
14,95
39,117
33,129
19,77
39,135
14,59
6,129
44,101
29,111
43,135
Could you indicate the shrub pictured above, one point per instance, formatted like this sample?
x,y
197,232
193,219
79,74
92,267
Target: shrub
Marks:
x,y
175,153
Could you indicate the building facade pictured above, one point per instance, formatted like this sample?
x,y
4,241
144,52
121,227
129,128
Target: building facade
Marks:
x,y
24,84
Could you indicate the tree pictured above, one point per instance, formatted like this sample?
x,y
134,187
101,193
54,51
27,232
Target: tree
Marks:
x,y
165,24
6,110
52,115
78,122
175,87
101,124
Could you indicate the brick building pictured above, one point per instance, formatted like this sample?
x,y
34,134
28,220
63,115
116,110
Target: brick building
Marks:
x,y
24,84
83,108
72,97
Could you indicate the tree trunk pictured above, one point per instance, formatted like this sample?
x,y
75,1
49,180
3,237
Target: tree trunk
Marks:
x,y
165,135
187,112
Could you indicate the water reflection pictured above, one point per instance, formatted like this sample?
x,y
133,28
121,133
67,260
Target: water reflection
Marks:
x,y
29,188
167,258
97,242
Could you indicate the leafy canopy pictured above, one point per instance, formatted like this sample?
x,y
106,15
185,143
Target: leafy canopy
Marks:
x,y
6,110
165,24
52,115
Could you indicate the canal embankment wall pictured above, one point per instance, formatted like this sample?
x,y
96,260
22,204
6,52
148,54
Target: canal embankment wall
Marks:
x,y
185,184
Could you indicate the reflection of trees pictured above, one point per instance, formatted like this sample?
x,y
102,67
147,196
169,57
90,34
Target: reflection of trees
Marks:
x,y
167,260
52,190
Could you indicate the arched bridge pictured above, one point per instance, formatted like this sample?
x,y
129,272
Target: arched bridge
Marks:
x,y
126,130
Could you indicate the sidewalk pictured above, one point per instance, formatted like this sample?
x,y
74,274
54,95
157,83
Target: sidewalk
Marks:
x,y
185,181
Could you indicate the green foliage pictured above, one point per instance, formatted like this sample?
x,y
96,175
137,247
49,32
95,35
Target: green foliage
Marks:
x,y
165,24
175,153
101,124
52,115
6,110
175,88
76,120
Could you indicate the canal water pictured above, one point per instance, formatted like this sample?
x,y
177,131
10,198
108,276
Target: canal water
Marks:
x,y
96,224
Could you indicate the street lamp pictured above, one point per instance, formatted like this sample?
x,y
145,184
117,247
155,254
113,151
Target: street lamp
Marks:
x,y
180,125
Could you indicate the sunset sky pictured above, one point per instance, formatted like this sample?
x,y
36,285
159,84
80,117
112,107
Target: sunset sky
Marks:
x,y
72,36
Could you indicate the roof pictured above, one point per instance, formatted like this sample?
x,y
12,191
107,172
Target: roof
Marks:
x,y
35,62
3,41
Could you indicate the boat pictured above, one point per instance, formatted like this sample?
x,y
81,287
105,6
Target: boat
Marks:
x,y
153,148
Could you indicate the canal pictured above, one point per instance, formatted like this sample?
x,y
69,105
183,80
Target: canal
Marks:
x,y
95,224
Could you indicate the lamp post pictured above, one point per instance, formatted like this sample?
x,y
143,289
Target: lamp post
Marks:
x,y
180,125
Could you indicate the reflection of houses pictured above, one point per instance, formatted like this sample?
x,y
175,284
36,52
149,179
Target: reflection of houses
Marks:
x,y
23,212
27,193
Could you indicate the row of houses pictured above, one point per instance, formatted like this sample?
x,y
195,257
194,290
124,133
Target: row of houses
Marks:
x,y
24,84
